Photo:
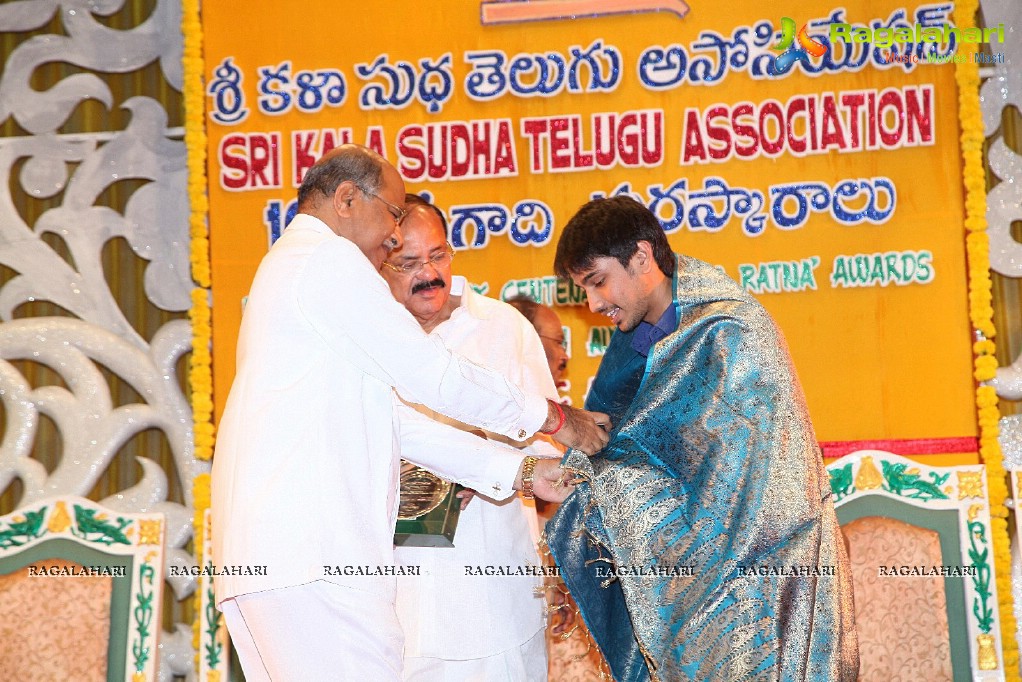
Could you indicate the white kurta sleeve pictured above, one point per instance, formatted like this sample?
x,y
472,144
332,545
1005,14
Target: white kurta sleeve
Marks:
x,y
486,466
348,303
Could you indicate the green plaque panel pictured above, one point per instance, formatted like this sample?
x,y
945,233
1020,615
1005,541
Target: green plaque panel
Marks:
x,y
428,513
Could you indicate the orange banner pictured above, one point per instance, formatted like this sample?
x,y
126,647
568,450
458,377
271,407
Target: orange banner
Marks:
x,y
823,175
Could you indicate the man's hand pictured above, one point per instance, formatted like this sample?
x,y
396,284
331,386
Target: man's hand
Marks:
x,y
582,430
561,609
465,496
549,481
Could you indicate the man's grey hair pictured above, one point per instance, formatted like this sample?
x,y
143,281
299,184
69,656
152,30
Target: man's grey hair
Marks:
x,y
360,165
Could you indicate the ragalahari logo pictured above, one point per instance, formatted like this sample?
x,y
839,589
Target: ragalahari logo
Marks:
x,y
888,36
790,54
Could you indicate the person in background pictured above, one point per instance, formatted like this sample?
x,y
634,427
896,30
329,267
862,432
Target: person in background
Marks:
x,y
549,328
572,653
304,481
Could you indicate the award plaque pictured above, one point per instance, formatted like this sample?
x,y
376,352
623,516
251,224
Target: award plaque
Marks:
x,y
428,513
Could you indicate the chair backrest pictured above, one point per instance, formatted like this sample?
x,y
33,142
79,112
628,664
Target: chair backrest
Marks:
x,y
923,570
81,590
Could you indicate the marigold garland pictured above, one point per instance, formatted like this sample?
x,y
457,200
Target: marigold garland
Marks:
x,y
200,376
981,313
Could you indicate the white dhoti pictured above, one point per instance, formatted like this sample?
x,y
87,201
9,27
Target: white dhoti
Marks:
x,y
525,663
317,631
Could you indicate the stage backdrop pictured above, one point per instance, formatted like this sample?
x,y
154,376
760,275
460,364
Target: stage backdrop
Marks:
x,y
827,182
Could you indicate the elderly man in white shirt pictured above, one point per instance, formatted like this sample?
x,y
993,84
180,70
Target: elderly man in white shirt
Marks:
x,y
306,465
501,635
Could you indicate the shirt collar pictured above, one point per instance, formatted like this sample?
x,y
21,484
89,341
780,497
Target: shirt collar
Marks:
x,y
311,222
646,334
470,300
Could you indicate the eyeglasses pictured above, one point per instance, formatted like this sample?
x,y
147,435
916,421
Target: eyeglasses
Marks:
x,y
396,212
562,342
411,268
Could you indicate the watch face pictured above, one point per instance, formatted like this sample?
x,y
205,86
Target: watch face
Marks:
x,y
421,492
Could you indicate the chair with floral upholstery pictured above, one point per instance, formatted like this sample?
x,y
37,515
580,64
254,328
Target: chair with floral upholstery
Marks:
x,y
80,592
918,539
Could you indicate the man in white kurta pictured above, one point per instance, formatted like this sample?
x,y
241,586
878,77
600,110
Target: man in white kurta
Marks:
x,y
306,466
476,611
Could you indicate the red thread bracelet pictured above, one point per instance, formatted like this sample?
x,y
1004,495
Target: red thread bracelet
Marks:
x,y
562,418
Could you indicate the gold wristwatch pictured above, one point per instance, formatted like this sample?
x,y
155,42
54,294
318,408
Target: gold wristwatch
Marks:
x,y
528,469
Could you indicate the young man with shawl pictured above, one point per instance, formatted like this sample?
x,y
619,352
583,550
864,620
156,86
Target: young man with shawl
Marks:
x,y
703,543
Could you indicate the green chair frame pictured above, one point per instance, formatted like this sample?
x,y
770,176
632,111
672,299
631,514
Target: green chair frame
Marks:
x,y
127,546
953,502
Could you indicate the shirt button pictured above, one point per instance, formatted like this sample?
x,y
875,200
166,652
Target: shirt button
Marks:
x,y
522,433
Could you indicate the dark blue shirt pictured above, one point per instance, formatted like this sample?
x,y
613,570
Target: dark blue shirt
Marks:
x,y
647,334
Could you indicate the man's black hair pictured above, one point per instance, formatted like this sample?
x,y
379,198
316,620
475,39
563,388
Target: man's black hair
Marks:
x,y
611,228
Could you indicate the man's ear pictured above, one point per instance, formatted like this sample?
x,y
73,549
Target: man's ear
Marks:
x,y
343,196
643,256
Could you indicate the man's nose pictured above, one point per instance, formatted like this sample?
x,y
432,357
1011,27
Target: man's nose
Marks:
x,y
594,303
430,264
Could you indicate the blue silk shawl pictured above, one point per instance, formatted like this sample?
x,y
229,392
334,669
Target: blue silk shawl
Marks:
x,y
712,478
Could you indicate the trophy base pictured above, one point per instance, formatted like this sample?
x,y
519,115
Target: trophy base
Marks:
x,y
428,513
